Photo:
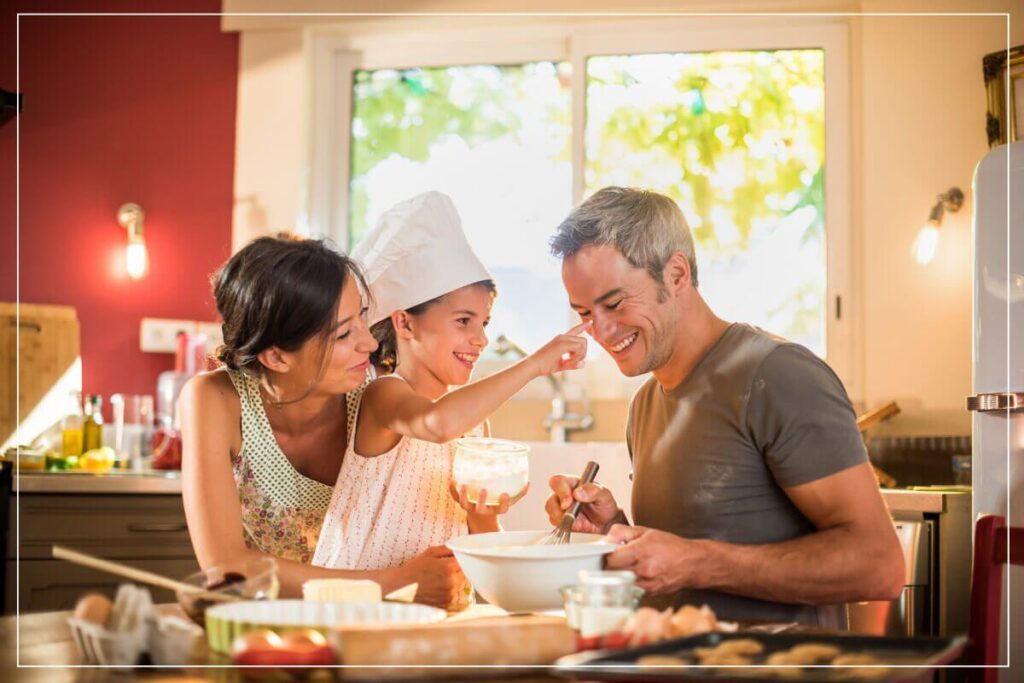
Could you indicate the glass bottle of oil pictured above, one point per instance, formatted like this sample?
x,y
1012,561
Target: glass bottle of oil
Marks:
x,y
92,427
71,426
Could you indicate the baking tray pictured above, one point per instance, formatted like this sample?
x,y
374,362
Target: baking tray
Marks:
x,y
915,659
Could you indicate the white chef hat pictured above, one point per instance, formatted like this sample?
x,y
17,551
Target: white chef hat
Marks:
x,y
416,252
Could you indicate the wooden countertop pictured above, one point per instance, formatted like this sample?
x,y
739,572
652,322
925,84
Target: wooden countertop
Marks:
x,y
904,500
145,483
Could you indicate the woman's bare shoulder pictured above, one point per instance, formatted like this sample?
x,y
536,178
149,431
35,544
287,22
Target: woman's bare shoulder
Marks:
x,y
211,390
211,411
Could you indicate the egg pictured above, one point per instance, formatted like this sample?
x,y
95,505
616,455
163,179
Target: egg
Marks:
x,y
94,608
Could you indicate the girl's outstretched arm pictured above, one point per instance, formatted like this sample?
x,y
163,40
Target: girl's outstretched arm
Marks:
x,y
392,409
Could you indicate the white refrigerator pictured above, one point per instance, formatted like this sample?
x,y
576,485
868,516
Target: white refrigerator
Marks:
x,y
997,403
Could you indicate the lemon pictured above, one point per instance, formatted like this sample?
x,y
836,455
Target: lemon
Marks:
x,y
97,459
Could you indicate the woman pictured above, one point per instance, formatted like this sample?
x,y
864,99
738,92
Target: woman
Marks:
x,y
264,436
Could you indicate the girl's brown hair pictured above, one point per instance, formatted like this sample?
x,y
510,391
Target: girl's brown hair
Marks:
x,y
385,358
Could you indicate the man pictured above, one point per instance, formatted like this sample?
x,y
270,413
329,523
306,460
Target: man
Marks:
x,y
752,491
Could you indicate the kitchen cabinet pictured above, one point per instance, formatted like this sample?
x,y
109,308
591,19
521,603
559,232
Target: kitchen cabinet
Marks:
x,y
128,519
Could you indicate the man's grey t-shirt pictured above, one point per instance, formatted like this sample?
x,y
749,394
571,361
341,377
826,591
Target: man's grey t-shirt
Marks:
x,y
711,457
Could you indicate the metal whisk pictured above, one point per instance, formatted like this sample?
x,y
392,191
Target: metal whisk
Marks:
x,y
561,533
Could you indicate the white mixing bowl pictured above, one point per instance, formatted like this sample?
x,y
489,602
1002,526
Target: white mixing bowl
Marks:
x,y
512,573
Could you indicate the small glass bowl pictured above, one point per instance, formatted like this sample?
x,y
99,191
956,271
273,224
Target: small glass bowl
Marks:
x,y
496,465
254,579
575,598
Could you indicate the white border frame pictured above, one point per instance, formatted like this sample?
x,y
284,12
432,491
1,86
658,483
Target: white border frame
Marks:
x,y
17,204
336,57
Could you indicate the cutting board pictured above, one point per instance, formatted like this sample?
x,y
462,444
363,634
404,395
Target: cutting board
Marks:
x,y
41,352
528,640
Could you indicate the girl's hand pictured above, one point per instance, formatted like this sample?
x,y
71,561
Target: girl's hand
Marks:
x,y
564,352
441,581
480,507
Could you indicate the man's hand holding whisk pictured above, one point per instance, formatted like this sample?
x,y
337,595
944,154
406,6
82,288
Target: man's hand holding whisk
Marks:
x,y
598,509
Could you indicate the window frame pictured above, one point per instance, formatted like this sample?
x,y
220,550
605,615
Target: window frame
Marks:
x,y
336,58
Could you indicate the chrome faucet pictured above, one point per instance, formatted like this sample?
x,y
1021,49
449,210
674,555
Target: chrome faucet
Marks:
x,y
559,421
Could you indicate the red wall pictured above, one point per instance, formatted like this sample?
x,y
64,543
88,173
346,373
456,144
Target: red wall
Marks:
x,y
118,109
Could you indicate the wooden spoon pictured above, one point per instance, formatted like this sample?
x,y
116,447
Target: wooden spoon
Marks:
x,y
140,575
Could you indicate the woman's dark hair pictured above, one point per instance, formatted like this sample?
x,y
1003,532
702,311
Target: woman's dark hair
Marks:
x,y
385,358
279,291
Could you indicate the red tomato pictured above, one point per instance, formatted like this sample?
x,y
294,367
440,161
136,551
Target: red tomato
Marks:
x,y
304,648
615,641
284,657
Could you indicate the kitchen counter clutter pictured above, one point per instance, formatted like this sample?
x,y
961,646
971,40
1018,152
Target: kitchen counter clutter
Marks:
x,y
483,644
392,638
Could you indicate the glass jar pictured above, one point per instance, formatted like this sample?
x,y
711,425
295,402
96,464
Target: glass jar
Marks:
x,y
601,602
495,465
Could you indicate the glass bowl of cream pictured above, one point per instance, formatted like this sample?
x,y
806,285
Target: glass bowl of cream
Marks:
x,y
496,466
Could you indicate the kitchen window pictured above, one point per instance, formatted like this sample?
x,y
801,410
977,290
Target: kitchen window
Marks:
x,y
737,139
732,129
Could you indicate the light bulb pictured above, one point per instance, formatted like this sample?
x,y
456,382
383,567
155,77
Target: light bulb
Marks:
x,y
926,243
136,259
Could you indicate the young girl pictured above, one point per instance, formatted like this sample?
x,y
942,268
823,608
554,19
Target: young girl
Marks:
x,y
431,300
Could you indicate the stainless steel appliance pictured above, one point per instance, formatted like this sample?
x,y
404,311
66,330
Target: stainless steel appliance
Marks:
x,y
934,528
998,400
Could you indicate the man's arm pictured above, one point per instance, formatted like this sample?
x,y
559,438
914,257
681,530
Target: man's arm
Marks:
x,y
855,554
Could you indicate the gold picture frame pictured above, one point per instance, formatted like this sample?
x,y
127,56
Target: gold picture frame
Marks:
x,y
1004,69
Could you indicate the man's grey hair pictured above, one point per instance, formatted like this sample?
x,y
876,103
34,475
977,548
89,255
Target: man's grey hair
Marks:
x,y
646,227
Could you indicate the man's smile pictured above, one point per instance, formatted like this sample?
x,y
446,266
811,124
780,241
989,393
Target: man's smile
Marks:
x,y
624,344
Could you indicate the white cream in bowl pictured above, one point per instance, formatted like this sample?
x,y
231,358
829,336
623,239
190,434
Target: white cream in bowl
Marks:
x,y
498,466
510,571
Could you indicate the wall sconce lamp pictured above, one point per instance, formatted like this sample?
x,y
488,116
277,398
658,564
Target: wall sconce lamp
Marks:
x,y
927,240
136,257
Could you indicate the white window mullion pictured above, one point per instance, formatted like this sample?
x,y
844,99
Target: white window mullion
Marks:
x,y
330,140
578,59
